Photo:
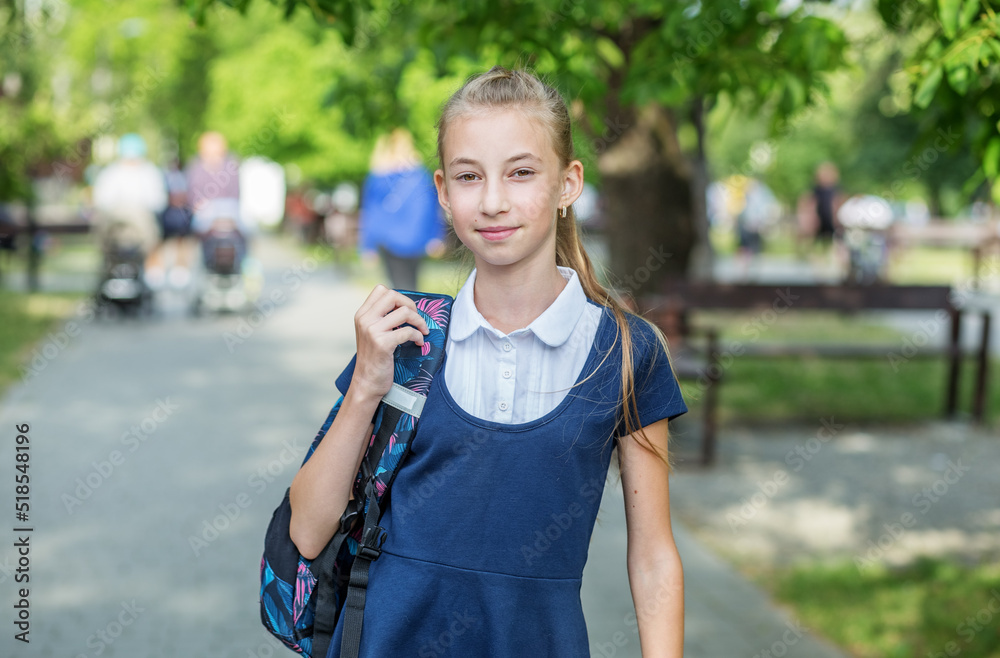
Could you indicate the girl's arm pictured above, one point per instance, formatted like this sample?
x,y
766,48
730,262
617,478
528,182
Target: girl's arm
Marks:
x,y
322,487
655,573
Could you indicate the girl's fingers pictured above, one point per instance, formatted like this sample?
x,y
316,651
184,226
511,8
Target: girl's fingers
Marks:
x,y
382,300
379,327
377,293
394,305
398,318
382,304
400,336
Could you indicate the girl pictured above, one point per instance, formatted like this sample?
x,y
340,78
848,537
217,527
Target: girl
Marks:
x,y
544,375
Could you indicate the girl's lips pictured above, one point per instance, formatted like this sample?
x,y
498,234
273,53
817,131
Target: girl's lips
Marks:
x,y
497,233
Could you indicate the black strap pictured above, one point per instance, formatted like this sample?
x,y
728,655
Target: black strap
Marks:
x,y
326,593
372,538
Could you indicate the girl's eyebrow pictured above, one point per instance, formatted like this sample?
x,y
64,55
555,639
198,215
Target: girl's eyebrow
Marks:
x,y
513,158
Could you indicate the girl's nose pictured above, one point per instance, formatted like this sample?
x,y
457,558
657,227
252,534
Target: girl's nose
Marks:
x,y
494,200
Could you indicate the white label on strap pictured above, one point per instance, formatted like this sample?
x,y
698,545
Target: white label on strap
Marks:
x,y
405,400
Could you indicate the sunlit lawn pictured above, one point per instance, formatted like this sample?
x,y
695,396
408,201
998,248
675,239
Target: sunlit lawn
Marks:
x,y
931,608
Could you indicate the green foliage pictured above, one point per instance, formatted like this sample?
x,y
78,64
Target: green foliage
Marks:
x,y
93,69
609,57
29,130
268,82
862,127
953,70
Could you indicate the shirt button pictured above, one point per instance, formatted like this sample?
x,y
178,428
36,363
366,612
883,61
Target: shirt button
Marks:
x,y
507,347
506,374
503,406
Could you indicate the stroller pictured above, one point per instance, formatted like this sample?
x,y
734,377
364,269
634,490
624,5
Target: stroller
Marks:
x,y
866,221
125,238
224,256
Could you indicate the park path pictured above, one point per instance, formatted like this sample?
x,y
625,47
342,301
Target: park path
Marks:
x,y
159,449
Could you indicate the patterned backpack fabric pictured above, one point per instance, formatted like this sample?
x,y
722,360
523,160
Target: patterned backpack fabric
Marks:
x,y
301,599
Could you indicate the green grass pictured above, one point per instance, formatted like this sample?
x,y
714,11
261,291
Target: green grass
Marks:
x,y
931,266
758,390
897,613
811,327
24,320
71,254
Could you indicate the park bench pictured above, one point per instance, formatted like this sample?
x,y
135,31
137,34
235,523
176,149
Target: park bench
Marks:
x,y
53,220
672,308
976,238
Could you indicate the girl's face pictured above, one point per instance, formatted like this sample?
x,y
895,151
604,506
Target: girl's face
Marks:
x,y
503,184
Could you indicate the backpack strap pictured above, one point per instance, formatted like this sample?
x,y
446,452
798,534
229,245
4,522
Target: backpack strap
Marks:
x,y
397,401
326,593
369,549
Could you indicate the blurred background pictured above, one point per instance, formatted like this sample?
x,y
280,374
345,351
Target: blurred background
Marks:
x,y
196,195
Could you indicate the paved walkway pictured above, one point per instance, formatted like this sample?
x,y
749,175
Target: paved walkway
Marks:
x,y
159,449
842,492
726,616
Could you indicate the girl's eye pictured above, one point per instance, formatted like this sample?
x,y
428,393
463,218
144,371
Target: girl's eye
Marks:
x,y
466,177
523,173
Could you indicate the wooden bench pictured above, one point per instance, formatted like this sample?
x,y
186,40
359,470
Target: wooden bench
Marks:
x,y
975,238
671,311
60,221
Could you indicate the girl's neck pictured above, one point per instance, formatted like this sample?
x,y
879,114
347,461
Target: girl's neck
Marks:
x,y
511,297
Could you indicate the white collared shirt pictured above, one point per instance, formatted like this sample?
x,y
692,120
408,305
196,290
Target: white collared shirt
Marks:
x,y
520,376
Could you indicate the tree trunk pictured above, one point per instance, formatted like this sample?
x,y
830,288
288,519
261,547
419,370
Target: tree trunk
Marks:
x,y
702,255
647,184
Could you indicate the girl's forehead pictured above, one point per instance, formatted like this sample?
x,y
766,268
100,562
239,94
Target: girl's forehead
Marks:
x,y
493,133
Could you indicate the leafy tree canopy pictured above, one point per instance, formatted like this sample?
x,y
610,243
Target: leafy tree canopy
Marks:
x,y
952,68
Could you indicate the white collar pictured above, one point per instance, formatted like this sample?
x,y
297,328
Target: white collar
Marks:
x,y
553,327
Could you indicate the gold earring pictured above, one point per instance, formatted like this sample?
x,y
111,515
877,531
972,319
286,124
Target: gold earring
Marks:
x,y
562,212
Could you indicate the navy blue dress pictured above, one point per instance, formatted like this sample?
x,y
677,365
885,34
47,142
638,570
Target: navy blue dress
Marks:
x,y
489,524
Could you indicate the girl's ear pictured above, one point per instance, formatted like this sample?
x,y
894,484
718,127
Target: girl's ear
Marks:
x,y
572,184
442,190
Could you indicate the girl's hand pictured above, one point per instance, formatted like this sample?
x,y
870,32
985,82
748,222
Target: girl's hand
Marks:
x,y
378,330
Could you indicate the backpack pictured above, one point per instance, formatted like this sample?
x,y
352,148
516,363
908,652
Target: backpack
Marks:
x,y
301,599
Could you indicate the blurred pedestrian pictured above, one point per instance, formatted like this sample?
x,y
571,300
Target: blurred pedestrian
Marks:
x,y
213,181
175,225
300,215
817,214
400,216
340,226
828,199
759,210
128,195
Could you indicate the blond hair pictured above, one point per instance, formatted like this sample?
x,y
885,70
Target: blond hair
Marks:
x,y
501,88
394,152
